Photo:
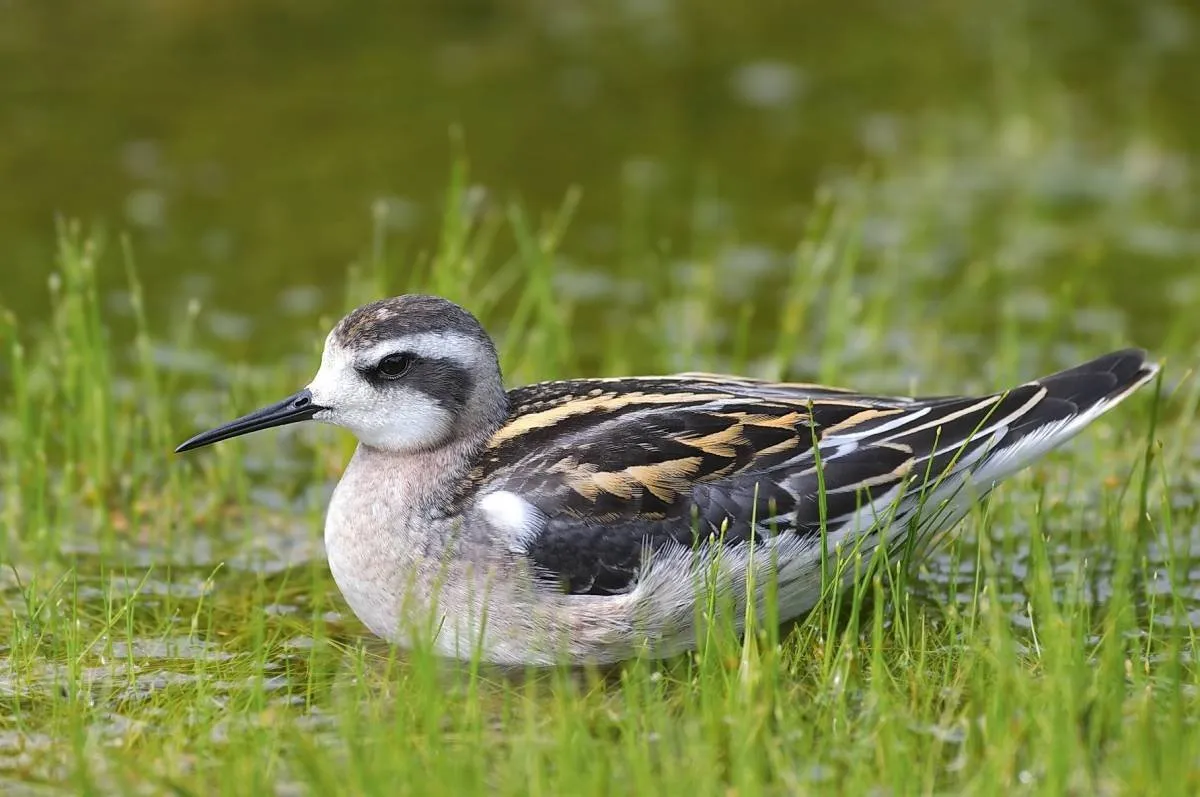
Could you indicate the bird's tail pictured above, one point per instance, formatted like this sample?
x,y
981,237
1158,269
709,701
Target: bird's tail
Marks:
x,y
1073,399
1024,424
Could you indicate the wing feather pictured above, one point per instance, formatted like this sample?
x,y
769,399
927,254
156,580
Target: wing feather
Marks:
x,y
617,466
614,468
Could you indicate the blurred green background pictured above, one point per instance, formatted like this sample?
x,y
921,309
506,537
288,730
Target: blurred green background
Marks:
x,y
247,147
925,196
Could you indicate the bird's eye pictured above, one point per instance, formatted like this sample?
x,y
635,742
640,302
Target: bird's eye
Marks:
x,y
394,366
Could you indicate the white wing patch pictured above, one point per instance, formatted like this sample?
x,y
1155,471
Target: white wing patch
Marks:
x,y
510,513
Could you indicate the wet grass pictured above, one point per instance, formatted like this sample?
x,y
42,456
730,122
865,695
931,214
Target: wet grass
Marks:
x,y
169,625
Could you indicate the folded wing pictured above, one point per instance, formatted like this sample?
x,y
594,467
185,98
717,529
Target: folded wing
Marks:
x,y
612,469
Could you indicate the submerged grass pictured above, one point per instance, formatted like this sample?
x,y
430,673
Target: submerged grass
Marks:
x,y
169,625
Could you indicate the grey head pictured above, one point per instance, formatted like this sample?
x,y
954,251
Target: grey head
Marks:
x,y
406,374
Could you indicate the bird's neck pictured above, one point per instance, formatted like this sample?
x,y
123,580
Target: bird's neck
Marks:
x,y
430,482
389,529
424,482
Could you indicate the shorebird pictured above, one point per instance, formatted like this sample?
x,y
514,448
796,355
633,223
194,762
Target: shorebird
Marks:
x,y
586,520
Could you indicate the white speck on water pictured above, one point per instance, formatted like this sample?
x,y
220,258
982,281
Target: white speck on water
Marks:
x,y
642,173
476,200
1166,28
880,134
767,84
146,207
583,284
712,214
141,159
396,212
566,20
300,300
229,326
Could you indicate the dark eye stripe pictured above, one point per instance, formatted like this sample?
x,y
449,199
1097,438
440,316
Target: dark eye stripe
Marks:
x,y
442,379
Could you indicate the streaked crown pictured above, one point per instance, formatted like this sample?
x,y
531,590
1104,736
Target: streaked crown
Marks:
x,y
402,316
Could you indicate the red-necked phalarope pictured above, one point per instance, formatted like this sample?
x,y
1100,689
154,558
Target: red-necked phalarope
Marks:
x,y
584,519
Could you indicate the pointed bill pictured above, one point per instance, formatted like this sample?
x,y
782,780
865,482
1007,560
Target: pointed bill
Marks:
x,y
293,409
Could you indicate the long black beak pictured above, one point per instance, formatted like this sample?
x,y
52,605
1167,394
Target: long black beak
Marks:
x,y
295,408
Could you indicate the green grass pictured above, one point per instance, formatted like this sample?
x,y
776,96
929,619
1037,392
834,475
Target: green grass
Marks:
x,y
169,625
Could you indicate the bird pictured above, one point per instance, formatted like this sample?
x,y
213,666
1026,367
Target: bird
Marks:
x,y
587,520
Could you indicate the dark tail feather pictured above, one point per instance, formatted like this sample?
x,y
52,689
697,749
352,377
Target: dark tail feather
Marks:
x,y
1096,385
1106,377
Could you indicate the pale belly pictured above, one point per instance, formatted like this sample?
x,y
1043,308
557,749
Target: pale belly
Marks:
x,y
460,610
413,581
493,611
